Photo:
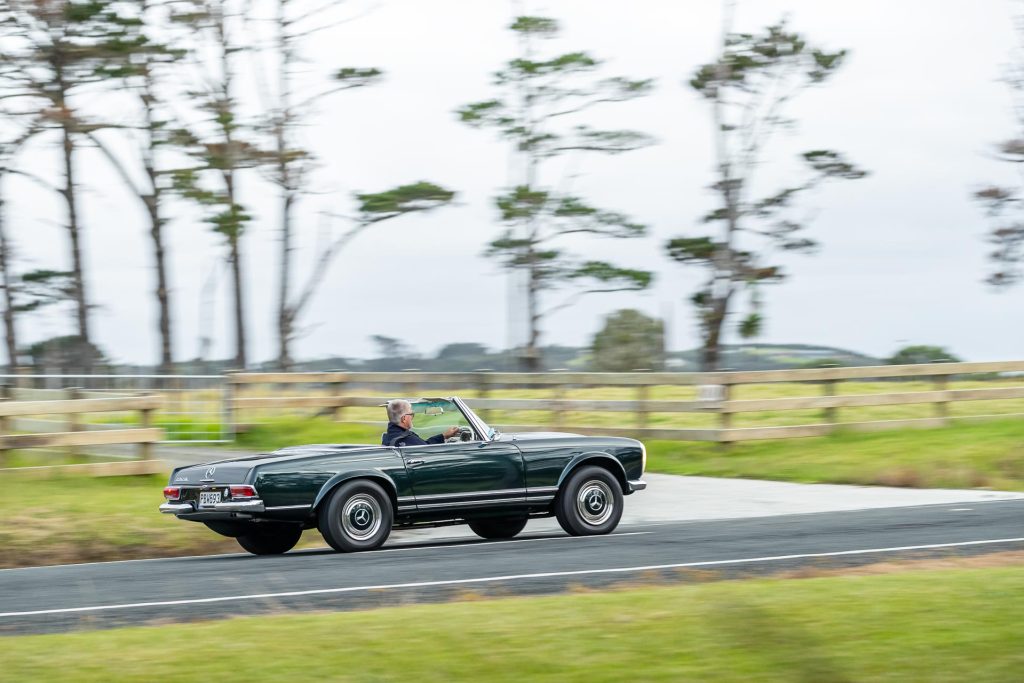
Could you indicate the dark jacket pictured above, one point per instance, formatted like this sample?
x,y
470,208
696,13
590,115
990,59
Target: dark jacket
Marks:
x,y
396,436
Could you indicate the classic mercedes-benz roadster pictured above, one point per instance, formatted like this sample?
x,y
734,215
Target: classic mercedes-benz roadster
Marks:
x,y
356,494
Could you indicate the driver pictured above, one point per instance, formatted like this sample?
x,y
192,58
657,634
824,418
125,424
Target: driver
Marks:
x,y
400,432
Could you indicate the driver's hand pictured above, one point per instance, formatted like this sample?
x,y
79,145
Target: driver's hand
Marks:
x,y
450,432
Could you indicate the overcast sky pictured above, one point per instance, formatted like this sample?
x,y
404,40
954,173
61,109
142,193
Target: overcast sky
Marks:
x,y
919,104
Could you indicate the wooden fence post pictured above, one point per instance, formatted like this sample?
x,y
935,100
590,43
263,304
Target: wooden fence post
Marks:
x,y
227,427
74,419
558,394
483,388
828,388
338,389
642,394
146,448
5,422
724,416
941,406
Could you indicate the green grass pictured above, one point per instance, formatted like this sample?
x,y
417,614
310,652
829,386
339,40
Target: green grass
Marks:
x,y
961,625
988,454
82,519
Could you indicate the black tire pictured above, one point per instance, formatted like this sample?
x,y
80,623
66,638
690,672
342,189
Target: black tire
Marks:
x,y
356,516
590,502
497,527
270,539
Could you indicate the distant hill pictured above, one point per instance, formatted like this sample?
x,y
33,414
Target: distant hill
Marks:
x,y
775,357
467,357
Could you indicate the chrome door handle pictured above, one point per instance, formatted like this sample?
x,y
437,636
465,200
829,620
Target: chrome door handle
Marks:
x,y
414,463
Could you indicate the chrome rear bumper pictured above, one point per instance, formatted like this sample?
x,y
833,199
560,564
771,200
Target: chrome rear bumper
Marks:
x,y
254,505
637,485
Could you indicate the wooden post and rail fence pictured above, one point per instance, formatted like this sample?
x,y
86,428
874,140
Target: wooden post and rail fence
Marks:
x,y
77,435
713,395
715,392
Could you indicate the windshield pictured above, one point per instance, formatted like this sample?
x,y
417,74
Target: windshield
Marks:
x,y
434,415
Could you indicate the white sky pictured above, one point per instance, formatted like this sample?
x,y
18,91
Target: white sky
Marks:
x,y
919,104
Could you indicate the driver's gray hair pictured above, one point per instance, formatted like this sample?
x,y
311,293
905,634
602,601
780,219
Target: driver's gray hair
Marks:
x,y
397,408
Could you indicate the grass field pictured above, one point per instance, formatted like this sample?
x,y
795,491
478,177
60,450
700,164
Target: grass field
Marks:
x,y
961,625
82,519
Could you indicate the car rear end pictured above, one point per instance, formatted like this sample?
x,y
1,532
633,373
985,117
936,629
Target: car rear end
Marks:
x,y
212,492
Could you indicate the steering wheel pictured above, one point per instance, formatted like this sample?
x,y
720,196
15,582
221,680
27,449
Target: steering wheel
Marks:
x,y
465,434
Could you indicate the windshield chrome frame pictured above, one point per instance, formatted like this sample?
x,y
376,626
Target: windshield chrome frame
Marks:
x,y
482,428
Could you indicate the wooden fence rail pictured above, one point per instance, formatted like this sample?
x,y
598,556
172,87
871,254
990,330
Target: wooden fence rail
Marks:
x,y
714,395
76,436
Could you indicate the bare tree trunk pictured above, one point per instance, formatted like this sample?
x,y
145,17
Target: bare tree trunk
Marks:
x,y
710,353
156,223
74,232
532,357
10,335
721,280
285,311
235,228
239,307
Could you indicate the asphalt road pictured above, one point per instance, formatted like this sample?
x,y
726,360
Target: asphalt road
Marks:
x,y
102,595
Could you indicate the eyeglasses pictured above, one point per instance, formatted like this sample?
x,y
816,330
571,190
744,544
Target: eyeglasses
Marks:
x,y
404,414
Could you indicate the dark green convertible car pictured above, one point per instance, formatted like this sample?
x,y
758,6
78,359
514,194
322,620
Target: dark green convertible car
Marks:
x,y
356,494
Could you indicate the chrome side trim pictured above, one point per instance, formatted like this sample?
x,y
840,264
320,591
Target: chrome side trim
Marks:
x,y
541,489
637,485
289,507
473,494
175,508
472,502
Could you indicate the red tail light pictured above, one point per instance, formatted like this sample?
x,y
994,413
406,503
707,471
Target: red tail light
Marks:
x,y
172,492
242,492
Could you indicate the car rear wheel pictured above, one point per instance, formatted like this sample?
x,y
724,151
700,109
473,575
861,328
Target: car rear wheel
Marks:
x,y
356,516
590,502
270,539
498,527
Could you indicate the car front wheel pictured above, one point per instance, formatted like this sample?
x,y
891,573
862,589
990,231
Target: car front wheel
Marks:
x,y
356,516
498,527
590,502
270,539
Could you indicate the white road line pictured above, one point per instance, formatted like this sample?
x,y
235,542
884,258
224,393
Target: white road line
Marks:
x,y
510,577
460,543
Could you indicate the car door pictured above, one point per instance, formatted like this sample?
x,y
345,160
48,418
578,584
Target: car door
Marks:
x,y
466,475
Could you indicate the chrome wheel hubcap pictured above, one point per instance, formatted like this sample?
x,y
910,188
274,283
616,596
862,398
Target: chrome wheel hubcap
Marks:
x,y
595,502
361,517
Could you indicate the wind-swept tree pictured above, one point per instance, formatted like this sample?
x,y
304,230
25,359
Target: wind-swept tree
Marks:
x,y
289,165
748,87
539,98
59,49
373,208
147,175
1004,204
221,146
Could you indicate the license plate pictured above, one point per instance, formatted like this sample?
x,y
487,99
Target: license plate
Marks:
x,y
208,498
